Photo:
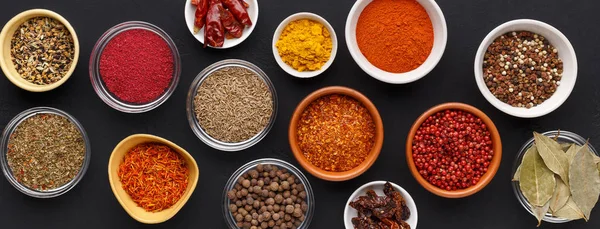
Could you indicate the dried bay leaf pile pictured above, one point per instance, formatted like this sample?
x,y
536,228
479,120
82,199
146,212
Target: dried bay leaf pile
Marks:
x,y
562,180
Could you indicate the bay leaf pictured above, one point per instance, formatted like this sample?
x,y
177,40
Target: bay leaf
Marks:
x,y
585,183
517,174
565,146
540,212
562,193
553,156
572,150
569,211
536,181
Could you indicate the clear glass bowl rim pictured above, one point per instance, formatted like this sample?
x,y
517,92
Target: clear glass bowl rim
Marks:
x,y
281,164
197,129
96,78
10,128
563,137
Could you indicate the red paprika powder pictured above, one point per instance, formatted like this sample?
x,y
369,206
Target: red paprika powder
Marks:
x,y
395,35
137,66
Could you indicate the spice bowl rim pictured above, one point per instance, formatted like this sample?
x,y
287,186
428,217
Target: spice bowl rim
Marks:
x,y
195,125
299,16
6,63
9,130
98,84
377,185
568,80
436,16
310,197
189,11
328,175
492,168
123,198
566,137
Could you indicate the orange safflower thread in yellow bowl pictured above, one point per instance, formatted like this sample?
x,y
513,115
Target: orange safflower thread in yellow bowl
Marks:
x,y
151,177
154,176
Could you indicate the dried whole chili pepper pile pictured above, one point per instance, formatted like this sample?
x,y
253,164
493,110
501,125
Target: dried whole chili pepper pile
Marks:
x,y
336,133
222,18
389,211
452,149
154,176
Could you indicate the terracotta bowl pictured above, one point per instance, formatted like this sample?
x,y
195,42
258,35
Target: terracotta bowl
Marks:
x,y
328,175
485,179
126,202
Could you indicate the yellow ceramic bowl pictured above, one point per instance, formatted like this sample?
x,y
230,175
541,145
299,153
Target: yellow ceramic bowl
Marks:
x,y
6,61
131,207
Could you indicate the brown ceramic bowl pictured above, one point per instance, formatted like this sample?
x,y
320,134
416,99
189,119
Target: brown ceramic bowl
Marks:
x,y
328,175
493,167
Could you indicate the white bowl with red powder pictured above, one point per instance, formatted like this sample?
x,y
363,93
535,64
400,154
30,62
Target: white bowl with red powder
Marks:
x,y
440,36
134,67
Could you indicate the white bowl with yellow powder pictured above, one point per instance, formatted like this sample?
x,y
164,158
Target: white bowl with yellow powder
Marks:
x,y
304,45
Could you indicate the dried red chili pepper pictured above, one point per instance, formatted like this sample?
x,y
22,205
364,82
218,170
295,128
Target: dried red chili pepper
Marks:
x,y
233,28
238,10
201,10
195,2
214,32
245,4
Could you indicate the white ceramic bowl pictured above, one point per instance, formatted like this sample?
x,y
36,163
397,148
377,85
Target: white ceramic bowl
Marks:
x,y
565,52
440,36
190,16
377,186
295,17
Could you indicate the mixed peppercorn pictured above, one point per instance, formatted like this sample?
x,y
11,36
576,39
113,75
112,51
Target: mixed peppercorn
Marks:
x,y
452,149
522,69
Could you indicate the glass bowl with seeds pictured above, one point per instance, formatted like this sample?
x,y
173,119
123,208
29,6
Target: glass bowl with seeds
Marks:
x,y
231,105
151,74
39,50
566,139
525,68
44,152
272,190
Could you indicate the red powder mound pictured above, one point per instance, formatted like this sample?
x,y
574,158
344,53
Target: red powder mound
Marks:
x,y
137,66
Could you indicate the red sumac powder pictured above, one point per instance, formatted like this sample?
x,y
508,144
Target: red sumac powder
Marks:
x,y
137,66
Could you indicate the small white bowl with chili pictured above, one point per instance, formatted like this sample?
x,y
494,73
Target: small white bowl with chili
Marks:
x,y
190,12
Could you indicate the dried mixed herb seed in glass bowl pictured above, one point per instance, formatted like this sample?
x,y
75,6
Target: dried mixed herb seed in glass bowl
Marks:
x,y
42,50
232,105
45,152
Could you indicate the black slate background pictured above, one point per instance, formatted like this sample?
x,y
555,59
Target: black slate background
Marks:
x,y
91,204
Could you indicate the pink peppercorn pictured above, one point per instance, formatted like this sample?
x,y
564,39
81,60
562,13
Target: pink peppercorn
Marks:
x,y
452,149
137,66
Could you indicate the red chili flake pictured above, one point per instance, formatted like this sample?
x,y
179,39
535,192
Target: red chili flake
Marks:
x,y
336,133
137,66
452,149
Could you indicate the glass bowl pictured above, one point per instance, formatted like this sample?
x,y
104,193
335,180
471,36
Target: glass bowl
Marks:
x,y
310,198
197,129
8,131
108,97
563,137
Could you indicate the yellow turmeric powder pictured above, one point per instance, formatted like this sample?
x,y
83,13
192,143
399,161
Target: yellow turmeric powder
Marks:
x,y
305,45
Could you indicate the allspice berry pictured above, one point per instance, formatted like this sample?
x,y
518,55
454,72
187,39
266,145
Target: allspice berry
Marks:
x,y
267,197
